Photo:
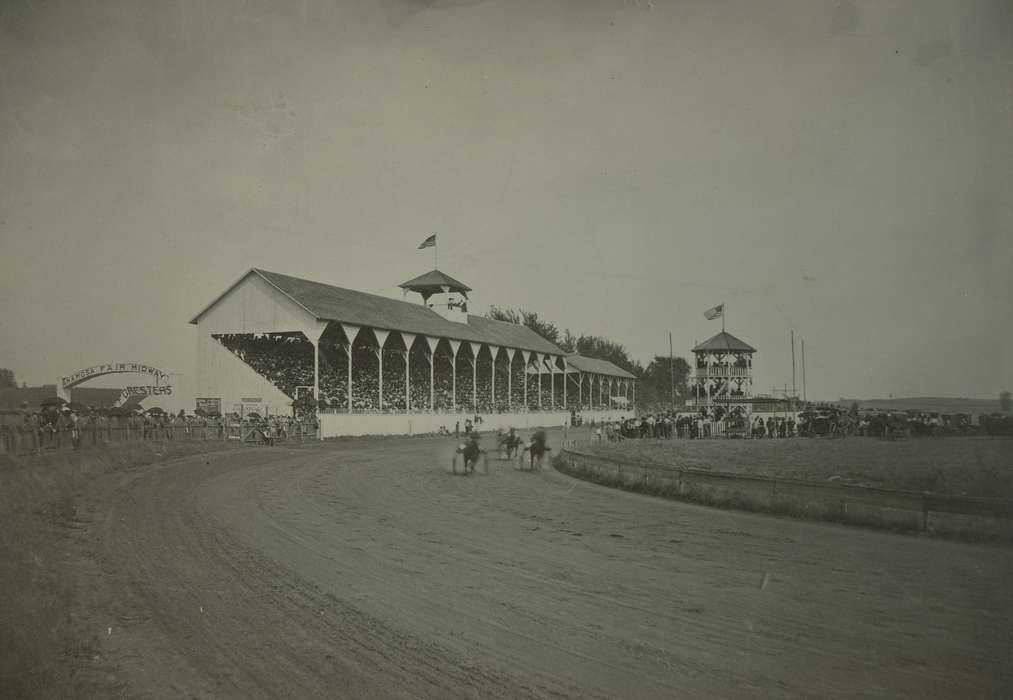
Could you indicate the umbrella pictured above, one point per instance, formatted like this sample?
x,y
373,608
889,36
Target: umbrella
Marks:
x,y
53,401
154,410
78,407
253,416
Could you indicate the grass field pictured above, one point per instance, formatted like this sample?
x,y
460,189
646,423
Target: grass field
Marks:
x,y
938,404
958,466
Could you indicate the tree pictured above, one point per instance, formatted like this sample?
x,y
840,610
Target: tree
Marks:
x,y
7,379
605,349
1004,401
586,345
500,314
526,318
654,384
568,342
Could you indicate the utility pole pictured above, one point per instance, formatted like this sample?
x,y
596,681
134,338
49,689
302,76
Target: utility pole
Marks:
x,y
805,397
794,392
671,368
696,380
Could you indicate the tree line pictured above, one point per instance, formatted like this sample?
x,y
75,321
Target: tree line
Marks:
x,y
654,382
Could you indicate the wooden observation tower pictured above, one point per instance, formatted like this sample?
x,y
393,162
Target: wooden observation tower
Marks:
x,y
723,373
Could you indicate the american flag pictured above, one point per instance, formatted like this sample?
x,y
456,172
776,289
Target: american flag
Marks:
x,y
428,243
715,312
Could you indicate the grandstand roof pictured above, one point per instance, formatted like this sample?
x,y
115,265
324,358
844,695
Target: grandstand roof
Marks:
x,y
326,302
435,282
593,364
723,342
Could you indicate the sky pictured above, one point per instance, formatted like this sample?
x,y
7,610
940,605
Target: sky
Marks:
x,y
843,169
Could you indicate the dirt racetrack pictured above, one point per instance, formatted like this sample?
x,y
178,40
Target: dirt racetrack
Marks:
x,y
363,568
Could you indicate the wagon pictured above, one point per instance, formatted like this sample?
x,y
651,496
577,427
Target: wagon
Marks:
x,y
821,423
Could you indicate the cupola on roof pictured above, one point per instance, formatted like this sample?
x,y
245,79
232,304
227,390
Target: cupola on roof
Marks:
x,y
435,282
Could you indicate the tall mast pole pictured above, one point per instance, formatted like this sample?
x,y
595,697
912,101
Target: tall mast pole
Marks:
x,y
805,397
671,367
793,390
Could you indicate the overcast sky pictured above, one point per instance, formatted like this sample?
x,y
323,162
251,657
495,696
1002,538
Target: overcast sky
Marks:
x,y
842,168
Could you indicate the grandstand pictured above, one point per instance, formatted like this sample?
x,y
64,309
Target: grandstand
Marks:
x,y
378,365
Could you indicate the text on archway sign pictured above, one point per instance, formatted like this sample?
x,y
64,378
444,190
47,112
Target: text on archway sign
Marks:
x,y
112,368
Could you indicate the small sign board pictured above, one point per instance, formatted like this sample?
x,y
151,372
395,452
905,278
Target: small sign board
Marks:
x,y
211,406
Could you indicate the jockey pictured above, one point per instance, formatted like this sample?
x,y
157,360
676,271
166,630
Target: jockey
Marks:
x,y
537,448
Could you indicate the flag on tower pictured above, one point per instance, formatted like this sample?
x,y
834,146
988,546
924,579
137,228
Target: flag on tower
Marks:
x,y
715,312
428,243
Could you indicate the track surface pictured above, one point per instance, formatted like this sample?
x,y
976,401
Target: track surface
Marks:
x,y
365,569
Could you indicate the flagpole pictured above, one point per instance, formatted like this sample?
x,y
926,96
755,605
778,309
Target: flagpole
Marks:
x,y
723,308
805,396
671,367
436,255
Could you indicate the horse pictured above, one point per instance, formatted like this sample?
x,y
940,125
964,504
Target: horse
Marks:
x,y
536,449
471,453
509,443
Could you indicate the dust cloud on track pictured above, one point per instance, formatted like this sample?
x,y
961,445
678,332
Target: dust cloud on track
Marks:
x,y
363,568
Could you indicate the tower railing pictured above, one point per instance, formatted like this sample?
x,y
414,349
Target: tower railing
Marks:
x,y
720,371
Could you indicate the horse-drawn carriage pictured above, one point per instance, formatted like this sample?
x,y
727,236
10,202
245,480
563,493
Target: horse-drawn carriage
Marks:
x,y
470,453
536,450
822,422
511,447
509,444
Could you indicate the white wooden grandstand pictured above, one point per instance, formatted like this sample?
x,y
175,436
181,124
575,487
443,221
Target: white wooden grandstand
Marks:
x,y
379,365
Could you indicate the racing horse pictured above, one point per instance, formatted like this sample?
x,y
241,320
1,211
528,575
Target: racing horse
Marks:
x,y
536,449
509,444
470,452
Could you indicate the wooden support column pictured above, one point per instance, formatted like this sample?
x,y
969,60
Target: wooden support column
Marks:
x,y
475,349
351,332
313,334
455,345
525,355
565,375
493,350
316,372
538,364
432,343
510,380
381,338
408,339
552,383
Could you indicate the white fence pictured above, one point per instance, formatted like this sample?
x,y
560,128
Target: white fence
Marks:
x,y
350,424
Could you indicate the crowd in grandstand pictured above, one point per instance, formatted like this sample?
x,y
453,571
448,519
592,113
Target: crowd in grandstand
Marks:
x,y
286,360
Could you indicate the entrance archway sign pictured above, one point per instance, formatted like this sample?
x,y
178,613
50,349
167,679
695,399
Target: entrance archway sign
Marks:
x,y
88,373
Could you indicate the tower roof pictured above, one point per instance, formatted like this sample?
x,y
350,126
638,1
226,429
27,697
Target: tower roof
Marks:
x,y
435,282
723,342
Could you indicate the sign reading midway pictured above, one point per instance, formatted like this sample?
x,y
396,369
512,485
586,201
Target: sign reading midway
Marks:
x,y
87,373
